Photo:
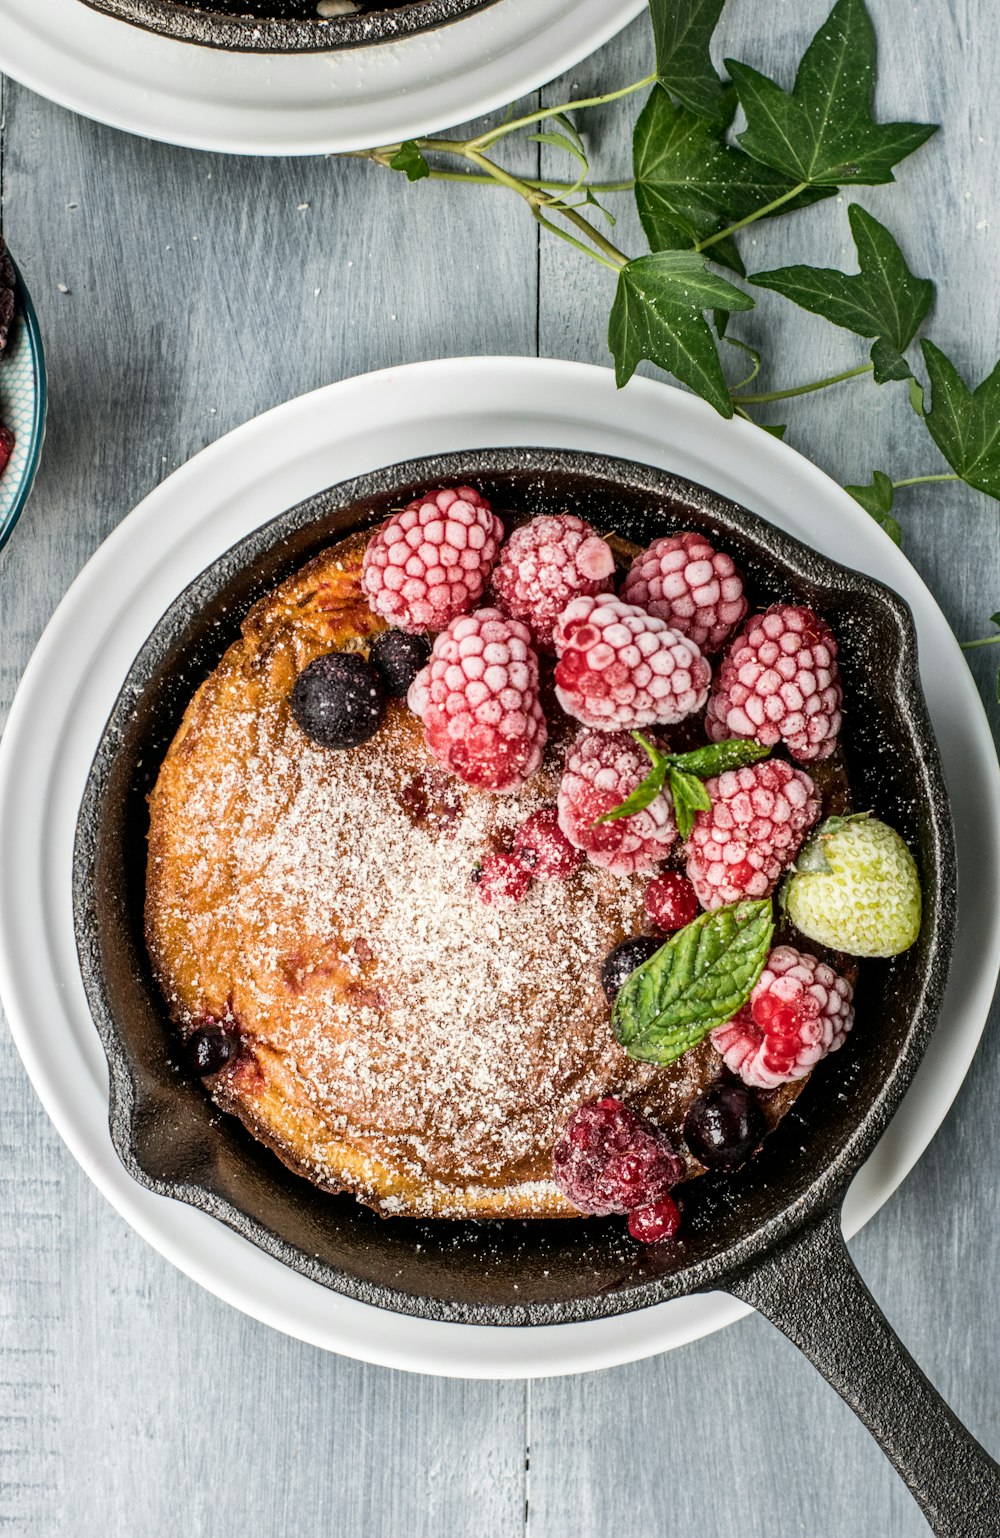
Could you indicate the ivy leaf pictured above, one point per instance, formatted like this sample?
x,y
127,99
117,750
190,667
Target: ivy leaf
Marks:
x,y
823,133
883,299
696,981
657,314
964,423
409,158
682,31
877,500
776,429
690,184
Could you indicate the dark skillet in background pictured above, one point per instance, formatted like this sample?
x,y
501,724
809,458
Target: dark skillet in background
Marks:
x,y
286,26
769,1233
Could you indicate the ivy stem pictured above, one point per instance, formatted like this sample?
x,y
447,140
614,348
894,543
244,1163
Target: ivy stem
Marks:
x,y
609,255
806,389
990,640
571,240
493,134
758,213
921,480
475,179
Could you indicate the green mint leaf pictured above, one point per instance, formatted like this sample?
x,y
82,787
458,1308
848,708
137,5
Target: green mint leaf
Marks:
x,y
409,158
883,299
696,981
657,314
647,790
689,797
964,423
717,757
689,184
877,499
682,31
823,133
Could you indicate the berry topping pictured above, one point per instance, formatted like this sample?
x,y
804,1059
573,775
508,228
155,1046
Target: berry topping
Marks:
x,y
211,1048
543,848
431,562
7,286
338,700
502,881
856,889
619,964
692,587
611,1159
399,658
545,565
800,1009
6,446
660,1220
779,682
671,901
723,1126
751,833
602,769
478,697
620,667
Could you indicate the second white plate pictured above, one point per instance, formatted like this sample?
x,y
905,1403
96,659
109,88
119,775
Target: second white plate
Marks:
x,y
298,104
199,512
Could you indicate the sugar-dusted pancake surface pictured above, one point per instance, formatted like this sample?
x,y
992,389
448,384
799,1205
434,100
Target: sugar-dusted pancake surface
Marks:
x,y
400,1040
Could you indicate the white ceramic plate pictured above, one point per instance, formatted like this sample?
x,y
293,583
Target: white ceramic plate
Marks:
x,y
298,104
219,496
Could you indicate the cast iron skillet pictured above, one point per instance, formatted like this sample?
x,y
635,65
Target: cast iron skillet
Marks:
x,y
770,1233
286,26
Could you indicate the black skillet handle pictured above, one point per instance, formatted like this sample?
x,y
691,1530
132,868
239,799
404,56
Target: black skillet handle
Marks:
x,y
812,1292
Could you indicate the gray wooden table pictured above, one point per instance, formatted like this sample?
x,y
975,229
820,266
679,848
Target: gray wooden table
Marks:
x,y
199,293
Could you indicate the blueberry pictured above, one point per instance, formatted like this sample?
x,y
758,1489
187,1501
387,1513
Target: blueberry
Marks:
x,y
338,700
399,658
211,1048
619,964
723,1126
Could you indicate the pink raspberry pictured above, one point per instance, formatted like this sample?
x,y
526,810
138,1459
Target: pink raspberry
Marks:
x,y
671,901
779,682
502,881
611,1159
752,832
693,587
799,1011
478,696
6,446
602,769
543,848
620,667
431,562
544,565
652,1224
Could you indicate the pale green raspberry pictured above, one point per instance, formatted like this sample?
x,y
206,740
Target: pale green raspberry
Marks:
x,y
867,900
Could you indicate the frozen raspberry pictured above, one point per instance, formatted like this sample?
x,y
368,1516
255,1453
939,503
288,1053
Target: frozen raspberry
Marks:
x,y
652,1224
758,818
693,587
602,770
671,901
620,667
546,564
431,562
611,1159
502,881
6,446
799,1011
478,697
543,848
779,682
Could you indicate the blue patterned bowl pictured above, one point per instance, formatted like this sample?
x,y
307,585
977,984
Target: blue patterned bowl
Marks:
x,y
22,408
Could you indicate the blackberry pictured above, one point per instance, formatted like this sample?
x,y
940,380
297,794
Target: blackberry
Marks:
x,y
399,658
619,964
338,700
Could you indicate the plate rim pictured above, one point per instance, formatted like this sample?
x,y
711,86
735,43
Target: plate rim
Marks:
x,y
483,62
547,1350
